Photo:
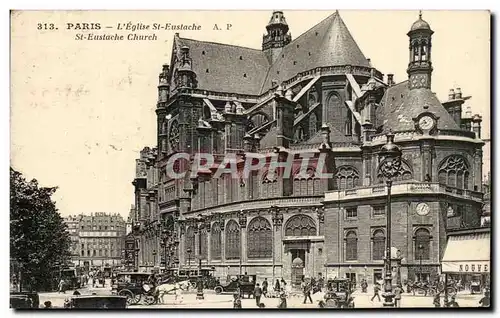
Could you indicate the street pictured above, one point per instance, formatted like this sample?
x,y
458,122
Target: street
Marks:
x,y
361,300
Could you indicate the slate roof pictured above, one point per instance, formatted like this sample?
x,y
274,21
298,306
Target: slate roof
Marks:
x,y
231,69
400,105
328,43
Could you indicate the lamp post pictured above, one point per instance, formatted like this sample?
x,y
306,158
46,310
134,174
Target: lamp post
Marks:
x,y
350,274
199,291
420,248
390,166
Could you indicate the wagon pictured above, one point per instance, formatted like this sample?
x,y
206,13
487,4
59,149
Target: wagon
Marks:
x,y
338,295
130,285
245,284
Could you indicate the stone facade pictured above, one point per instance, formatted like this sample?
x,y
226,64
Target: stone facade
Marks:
x,y
283,101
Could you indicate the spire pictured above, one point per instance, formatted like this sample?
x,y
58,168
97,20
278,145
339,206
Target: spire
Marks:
x,y
420,64
277,36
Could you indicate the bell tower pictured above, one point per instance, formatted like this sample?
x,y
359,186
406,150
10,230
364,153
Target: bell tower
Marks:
x,y
277,36
420,66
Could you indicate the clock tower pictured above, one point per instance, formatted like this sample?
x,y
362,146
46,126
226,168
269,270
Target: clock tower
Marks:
x,y
420,66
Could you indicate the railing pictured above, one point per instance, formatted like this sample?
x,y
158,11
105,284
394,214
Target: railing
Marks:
x,y
411,134
399,188
257,204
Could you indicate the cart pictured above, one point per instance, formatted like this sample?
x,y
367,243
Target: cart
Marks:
x,y
245,284
338,294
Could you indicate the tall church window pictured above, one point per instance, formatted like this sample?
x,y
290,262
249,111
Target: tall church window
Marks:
x,y
335,112
215,241
313,125
233,240
422,241
259,238
454,171
347,177
378,239
351,246
203,243
300,225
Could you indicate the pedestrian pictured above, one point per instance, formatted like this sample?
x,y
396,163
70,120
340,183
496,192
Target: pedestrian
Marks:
x,y
452,302
364,286
277,287
236,300
264,287
437,300
257,293
397,295
485,301
282,303
306,288
61,286
376,290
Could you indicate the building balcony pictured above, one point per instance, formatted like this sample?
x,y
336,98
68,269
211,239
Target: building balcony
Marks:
x,y
402,189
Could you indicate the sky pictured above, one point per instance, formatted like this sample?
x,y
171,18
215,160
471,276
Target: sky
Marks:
x,y
82,110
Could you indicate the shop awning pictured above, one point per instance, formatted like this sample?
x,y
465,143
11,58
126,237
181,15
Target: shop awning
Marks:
x,y
467,254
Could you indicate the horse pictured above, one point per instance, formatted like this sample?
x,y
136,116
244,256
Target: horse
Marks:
x,y
164,289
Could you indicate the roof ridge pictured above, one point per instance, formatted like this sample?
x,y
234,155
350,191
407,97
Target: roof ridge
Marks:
x,y
334,15
225,44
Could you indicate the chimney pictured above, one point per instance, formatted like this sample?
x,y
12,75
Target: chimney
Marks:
x,y
451,94
458,93
369,60
390,79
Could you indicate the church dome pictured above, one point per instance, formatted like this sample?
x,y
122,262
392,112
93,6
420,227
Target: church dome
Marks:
x,y
420,24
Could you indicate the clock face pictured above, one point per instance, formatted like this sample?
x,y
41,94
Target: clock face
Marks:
x,y
426,122
423,209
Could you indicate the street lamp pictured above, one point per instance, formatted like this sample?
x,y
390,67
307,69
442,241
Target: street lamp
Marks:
x,y
390,166
350,274
199,291
420,249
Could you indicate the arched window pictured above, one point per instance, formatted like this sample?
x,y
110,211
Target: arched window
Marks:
x,y
378,244
269,185
300,225
306,182
454,172
203,243
347,177
233,240
336,112
313,125
190,247
259,238
422,244
215,241
351,246
405,173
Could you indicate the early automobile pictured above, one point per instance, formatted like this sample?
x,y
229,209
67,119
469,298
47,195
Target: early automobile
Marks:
x,y
70,277
131,285
475,286
244,283
338,294
98,302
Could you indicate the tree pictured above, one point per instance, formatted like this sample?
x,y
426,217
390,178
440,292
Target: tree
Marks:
x,y
39,241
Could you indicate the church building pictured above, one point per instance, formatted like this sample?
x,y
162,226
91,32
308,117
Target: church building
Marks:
x,y
315,95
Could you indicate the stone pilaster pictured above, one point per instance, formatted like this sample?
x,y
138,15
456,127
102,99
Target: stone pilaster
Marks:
x,y
243,233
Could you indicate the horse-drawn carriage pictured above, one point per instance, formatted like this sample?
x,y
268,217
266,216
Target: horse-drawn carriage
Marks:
x,y
338,294
245,284
193,274
131,285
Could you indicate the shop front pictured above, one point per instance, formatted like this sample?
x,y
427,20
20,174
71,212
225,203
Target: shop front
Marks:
x,y
467,258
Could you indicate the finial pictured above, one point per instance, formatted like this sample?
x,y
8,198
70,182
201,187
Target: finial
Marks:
x,y
420,14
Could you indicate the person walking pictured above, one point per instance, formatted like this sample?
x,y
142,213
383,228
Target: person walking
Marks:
x,y
437,300
364,286
485,301
376,290
257,293
61,286
306,288
236,300
277,287
397,295
264,287
283,303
